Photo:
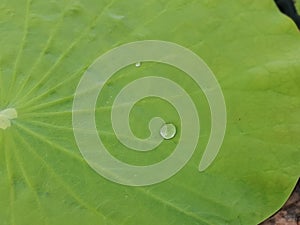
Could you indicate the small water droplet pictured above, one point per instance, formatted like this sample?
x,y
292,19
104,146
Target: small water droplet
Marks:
x,y
168,131
138,64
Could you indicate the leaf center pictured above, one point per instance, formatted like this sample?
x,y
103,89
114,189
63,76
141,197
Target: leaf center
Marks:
x,y
6,116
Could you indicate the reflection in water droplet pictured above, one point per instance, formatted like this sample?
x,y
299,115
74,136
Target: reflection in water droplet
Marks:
x,y
138,64
168,131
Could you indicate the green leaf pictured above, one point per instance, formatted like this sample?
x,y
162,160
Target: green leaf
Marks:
x,y
46,46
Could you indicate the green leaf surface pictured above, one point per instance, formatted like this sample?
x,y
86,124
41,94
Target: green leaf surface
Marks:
x,y
46,46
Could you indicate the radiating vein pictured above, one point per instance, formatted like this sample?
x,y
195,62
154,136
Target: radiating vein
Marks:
x,y
46,114
53,145
27,180
173,206
10,179
58,101
182,185
50,126
22,45
2,95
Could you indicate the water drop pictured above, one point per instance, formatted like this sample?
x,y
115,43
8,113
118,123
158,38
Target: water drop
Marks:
x,y
168,131
138,64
